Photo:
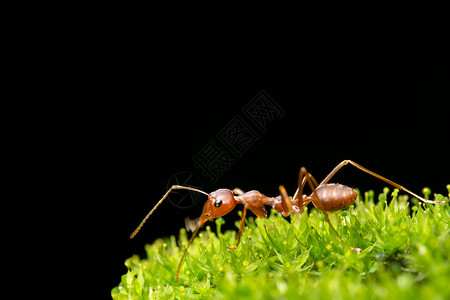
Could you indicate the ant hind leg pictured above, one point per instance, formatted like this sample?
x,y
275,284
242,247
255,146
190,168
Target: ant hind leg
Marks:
x,y
358,166
357,250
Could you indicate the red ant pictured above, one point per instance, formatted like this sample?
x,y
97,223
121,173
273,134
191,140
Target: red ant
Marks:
x,y
326,197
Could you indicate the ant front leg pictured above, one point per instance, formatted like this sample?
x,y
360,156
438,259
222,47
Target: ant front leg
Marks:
x,y
244,212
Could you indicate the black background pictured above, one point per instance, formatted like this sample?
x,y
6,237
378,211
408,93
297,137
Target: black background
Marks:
x,y
363,83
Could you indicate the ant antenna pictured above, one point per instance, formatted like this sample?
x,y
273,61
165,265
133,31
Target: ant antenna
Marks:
x,y
174,187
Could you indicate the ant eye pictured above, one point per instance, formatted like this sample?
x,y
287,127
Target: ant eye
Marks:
x,y
218,203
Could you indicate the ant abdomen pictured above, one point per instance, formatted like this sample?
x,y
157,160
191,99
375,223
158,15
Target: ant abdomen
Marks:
x,y
335,196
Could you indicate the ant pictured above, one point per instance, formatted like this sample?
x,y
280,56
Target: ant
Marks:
x,y
326,197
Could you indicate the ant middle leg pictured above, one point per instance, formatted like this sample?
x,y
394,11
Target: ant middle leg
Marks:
x,y
303,177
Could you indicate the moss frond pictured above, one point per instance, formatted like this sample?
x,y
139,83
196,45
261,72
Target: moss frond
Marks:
x,y
405,255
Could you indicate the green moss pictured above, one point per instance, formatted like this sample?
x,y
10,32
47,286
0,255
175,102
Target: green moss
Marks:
x,y
405,255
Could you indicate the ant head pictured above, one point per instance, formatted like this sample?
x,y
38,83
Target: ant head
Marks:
x,y
219,203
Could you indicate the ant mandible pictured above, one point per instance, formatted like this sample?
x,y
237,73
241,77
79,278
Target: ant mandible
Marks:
x,y
326,197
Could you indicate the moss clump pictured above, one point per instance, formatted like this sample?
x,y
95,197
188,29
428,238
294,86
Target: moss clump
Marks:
x,y
405,255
